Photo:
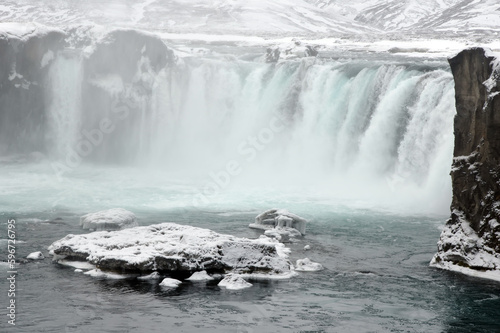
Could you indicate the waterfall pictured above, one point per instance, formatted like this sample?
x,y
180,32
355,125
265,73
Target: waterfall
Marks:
x,y
352,129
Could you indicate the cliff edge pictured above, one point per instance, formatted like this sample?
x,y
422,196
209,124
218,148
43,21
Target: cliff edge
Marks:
x,y
470,240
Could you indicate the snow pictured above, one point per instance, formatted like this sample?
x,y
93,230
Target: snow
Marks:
x,y
111,219
170,283
200,276
306,265
234,282
172,247
36,256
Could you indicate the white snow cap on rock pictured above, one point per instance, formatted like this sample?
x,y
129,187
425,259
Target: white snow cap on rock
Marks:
x,y
36,256
274,218
234,282
170,283
306,265
111,219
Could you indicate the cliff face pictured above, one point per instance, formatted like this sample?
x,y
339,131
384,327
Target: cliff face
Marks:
x,y
470,241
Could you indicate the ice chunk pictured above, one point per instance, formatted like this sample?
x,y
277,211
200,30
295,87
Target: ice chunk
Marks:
x,y
170,283
78,270
107,275
307,247
273,218
111,219
282,234
306,265
200,276
172,248
36,256
234,282
152,276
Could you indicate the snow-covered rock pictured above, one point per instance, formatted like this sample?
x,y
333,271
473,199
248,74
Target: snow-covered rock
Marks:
x,y
307,247
111,219
170,283
273,218
36,256
234,282
173,248
200,276
306,265
290,50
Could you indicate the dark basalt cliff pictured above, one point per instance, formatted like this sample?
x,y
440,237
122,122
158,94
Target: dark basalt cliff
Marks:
x,y
471,237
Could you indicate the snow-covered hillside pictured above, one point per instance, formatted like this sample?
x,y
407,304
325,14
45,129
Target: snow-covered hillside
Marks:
x,y
270,17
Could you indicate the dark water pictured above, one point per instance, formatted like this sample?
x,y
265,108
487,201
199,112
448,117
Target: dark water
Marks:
x,y
376,279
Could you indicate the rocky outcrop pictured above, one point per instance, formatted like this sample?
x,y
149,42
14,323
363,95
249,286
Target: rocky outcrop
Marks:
x,y
470,241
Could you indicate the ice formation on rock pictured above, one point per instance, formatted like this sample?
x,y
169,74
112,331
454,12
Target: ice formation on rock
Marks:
x,y
273,218
175,249
111,219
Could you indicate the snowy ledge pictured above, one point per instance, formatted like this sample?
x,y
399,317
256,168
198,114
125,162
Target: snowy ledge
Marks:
x,y
175,250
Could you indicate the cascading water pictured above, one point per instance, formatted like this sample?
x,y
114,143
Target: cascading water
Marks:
x,y
344,129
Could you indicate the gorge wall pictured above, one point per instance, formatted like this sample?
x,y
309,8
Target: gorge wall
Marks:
x,y
470,241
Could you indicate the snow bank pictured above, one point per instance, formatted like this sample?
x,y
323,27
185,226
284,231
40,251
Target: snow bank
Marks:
x,y
111,219
173,248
